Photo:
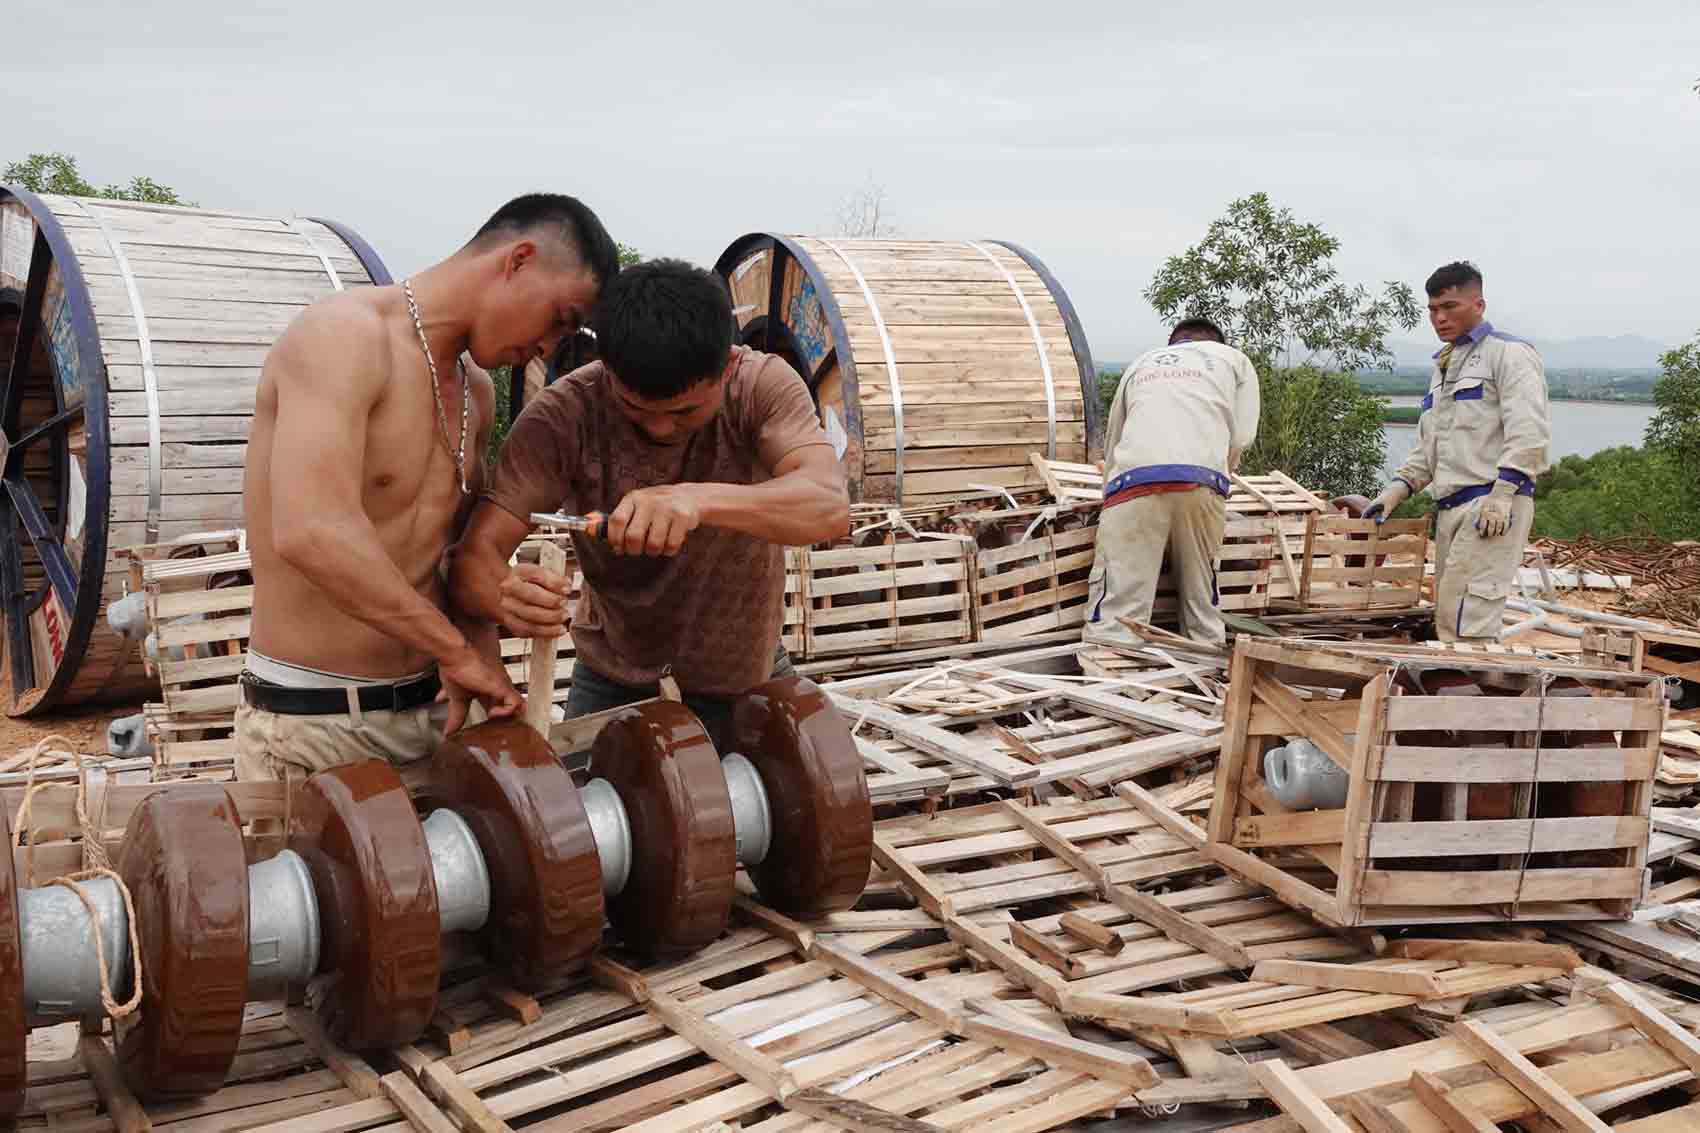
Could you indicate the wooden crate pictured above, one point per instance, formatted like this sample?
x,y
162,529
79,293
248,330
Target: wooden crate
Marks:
x,y
1359,564
1034,586
895,595
1561,784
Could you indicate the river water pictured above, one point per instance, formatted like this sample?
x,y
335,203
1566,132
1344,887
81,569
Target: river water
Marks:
x,y
1579,428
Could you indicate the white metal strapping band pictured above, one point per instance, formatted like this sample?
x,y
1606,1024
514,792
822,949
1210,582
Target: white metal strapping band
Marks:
x,y
324,260
1039,345
890,360
150,377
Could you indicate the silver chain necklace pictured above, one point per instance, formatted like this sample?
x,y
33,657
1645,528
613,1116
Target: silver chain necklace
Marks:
x,y
437,392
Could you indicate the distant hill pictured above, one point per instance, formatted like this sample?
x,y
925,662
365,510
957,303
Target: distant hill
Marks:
x,y
1594,352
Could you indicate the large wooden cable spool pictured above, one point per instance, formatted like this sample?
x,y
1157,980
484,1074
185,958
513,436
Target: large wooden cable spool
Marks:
x,y
938,366
131,341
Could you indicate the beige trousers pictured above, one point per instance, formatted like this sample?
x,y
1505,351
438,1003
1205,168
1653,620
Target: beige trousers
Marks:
x,y
270,745
1473,576
1132,537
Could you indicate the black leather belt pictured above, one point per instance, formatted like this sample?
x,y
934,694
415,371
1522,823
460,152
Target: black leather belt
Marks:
x,y
404,697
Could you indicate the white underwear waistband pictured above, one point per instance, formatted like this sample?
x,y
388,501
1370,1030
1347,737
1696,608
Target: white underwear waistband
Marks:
x,y
300,676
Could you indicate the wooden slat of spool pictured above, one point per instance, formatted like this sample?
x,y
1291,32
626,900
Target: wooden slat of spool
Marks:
x,y
970,404
216,289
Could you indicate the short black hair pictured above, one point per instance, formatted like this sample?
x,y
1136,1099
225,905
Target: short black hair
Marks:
x,y
1458,273
664,326
572,221
1197,323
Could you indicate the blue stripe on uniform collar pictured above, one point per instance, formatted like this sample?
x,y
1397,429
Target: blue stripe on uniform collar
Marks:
x,y
1480,331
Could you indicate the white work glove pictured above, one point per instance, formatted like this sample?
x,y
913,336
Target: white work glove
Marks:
x,y
1493,514
1384,505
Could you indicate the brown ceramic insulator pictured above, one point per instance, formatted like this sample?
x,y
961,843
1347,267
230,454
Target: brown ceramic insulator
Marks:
x,y
546,911
14,1026
1353,506
356,829
184,864
1584,798
1485,800
822,841
684,862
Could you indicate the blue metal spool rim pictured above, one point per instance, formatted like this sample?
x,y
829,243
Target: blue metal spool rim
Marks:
x,y
27,694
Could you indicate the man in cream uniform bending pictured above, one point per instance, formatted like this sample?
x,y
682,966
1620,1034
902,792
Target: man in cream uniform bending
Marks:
x,y
1182,416
1483,437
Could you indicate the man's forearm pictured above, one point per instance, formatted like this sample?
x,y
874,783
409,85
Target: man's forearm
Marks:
x,y
350,567
475,583
793,510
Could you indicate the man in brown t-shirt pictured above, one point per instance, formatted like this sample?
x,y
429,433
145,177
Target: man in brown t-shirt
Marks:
x,y
709,459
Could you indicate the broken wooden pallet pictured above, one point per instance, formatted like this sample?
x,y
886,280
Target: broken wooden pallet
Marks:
x,y
1283,994
1593,1058
773,1033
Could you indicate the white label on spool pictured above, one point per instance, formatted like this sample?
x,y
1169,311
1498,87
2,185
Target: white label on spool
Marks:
x,y
17,240
749,265
835,432
78,494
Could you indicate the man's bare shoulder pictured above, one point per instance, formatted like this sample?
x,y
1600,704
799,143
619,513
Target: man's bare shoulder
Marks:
x,y
342,334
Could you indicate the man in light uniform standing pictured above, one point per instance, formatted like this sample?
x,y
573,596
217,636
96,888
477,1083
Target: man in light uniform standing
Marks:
x,y
1483,437
1182,416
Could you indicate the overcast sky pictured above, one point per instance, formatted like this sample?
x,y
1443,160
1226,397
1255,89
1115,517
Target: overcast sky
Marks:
x,y
1556,143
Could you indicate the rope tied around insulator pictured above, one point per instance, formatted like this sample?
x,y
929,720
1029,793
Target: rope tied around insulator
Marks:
x,y
96,864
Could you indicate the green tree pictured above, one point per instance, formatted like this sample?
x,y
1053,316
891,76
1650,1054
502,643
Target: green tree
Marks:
x,y
1320,428
1675,428
58,173
1618,491
1270,283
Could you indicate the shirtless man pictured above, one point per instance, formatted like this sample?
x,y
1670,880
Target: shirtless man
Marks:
x,y
364,462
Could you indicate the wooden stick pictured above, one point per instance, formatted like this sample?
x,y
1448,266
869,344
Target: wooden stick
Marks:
x,y
1296,1099
1098,936
419,1110
1437,1098
361,1080
121,1105
540,676
1488,952
1528,1079
1654,1024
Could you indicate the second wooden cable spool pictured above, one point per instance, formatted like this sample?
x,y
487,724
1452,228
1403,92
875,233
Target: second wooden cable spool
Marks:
x,y
938,366
131,341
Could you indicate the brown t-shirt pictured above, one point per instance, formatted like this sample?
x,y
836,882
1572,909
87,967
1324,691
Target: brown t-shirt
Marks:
x,y
714,610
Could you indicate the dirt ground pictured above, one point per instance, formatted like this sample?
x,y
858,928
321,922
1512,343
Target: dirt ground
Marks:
x,y
84,728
